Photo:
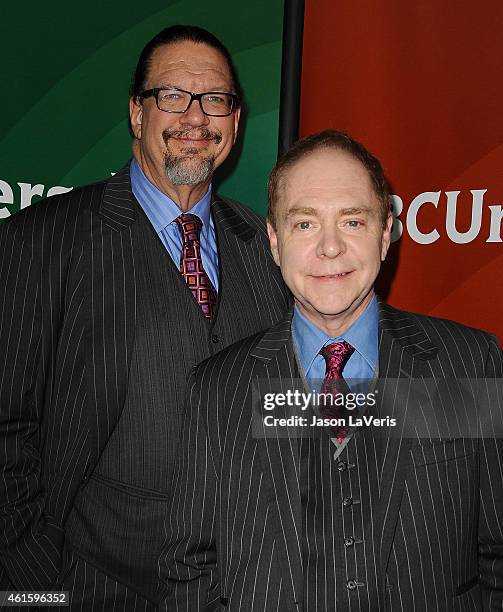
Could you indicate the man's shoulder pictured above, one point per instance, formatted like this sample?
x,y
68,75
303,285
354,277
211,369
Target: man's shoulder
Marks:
x,y
60,214
444,333
246,213
56,210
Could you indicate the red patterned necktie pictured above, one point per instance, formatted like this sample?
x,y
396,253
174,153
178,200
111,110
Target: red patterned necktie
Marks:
x,y
191,264
336,356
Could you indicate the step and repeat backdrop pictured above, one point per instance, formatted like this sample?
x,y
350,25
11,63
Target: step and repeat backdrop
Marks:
x,y
65,74
420,85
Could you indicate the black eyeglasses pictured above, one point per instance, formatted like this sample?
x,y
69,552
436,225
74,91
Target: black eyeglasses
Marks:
x,y
174,100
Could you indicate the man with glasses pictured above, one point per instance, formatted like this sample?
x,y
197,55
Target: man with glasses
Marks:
x,y
120,288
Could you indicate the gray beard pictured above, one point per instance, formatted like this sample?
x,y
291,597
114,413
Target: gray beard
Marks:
x,y
188,170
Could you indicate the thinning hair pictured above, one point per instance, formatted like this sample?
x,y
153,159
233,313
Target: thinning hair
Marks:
x,y
328,139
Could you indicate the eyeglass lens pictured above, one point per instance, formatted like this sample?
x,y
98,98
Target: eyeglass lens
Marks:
x,y
176,101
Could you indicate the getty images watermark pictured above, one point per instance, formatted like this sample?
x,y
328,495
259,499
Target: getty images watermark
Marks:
x,y
350,404
420,408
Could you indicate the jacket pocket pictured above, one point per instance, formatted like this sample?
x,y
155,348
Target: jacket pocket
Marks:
x,y
129,489
119,529
425,452
466,586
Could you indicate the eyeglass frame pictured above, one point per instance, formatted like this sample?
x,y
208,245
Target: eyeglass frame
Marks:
x,y
154,92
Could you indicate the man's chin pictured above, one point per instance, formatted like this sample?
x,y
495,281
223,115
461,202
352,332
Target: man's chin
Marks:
x,y
189,170
336,306
330,306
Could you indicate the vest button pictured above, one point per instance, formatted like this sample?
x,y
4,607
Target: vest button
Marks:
x,y
351,584
215,338
347,501
341,466
349,541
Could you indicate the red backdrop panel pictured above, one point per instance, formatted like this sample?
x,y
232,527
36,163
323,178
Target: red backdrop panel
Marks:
x,y
420,85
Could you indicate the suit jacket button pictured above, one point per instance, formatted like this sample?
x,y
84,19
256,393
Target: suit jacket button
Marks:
x,y
351,584
341,466
347,501
87,475
349,541
215,338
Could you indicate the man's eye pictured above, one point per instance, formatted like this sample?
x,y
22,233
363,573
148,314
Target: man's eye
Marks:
x,y
214,99
354,223
171,95
304,225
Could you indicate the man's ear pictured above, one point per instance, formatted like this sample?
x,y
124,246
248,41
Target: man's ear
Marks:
x,y
135,116
273,241
386,236
237,115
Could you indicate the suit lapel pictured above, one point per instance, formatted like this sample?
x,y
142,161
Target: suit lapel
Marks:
x,y
228,220
232,234
112,291
404,352
118,208
279,451
241,295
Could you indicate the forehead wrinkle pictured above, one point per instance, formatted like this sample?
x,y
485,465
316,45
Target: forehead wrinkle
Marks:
x,y
189,61
214,88
184,67
210,80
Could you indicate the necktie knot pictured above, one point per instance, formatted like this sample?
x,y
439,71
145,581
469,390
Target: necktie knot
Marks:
x,y
190,227
336,356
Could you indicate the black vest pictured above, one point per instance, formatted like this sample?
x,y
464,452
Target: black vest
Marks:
x,y
337,504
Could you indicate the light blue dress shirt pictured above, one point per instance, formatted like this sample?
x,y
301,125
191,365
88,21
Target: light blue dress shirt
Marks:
x,y
162,212
362,335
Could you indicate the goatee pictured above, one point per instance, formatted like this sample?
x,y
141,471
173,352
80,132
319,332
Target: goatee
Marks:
x,y
190,168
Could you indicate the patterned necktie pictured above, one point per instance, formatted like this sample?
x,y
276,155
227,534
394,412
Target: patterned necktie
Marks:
x,y
191,264
336,356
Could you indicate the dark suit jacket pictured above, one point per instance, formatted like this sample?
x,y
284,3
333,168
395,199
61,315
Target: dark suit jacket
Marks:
x,y
68,290
433,532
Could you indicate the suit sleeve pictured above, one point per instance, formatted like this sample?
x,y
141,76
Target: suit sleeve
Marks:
x,y
491,486
188,565
29,543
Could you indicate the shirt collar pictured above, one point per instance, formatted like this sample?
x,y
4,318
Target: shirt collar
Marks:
x,y
362,335
161,209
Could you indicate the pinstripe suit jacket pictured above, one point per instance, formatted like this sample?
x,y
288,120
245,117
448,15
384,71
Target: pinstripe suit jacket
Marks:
x,y
68,291
433,533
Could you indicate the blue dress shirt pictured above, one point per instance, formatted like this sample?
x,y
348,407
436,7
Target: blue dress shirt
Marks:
x,y
162,212
362,335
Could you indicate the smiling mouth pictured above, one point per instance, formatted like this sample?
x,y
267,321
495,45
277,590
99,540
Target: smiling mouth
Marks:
x,y
193,141
329,277
201,138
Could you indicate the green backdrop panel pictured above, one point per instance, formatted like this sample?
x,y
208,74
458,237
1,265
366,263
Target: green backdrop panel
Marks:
x,y
66,72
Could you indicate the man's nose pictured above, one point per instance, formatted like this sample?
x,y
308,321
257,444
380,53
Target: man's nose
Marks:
x,y
331,243
194,115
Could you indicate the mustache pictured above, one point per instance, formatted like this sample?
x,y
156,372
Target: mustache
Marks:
x,y
201,133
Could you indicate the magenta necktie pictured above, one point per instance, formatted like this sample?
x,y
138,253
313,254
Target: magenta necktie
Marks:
x,y
191,264
336,356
